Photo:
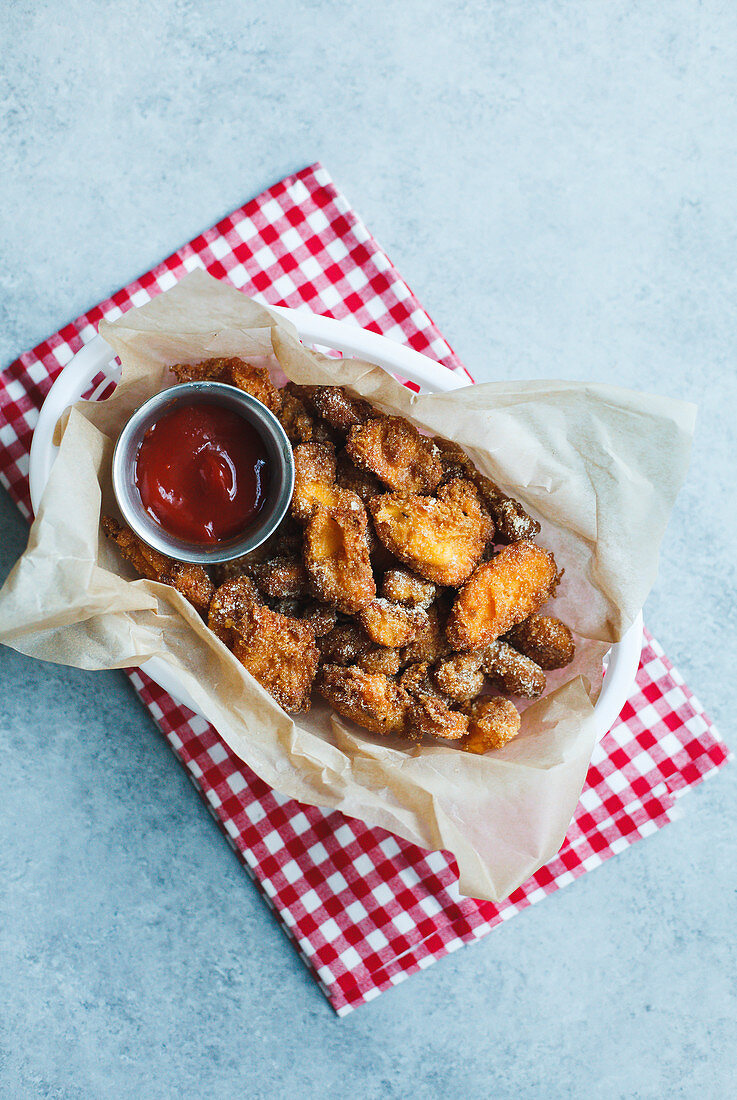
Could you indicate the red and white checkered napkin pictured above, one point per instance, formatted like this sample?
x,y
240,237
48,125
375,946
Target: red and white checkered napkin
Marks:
x,y
364,908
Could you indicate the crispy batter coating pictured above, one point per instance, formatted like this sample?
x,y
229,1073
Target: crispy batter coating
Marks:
x,y
460,677
288,606
545,640
430,716
511,520
279,652
381,659
337,559
297,422
320,619
338,408
285,542
314,479
416,679
256,381
512,672
501,593
344,644
453,458
281,578
394,450
234,372
406,588
372,700
431,644
492,723
361,482
442,538
229,608
191,580
392,624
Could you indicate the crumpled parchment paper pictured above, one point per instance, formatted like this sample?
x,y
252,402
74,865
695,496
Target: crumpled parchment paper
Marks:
x,y
599,467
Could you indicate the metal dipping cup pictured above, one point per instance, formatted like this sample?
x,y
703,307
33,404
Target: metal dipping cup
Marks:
x,y
281,472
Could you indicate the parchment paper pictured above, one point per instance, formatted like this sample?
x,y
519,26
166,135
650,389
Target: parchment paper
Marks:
x,y
598,466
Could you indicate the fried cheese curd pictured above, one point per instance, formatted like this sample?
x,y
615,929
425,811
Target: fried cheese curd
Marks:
x,y
299,425
282,578
338,408
392,624
402,587
370,699
279,652
545,640
428,715
492,723
460,677
336,557
512,672
191,580
500,594
345,644
234,372
394,450
440,538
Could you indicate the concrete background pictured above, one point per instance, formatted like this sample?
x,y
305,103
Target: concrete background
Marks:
x,y
563,176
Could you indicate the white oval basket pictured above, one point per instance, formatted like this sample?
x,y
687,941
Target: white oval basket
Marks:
x,y
96,357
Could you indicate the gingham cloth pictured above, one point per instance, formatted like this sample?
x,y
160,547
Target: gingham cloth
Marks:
x,y
364,908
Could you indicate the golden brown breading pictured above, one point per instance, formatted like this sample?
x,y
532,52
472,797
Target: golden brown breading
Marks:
x,y
337,559
440,538
512,672
191,580
545,640
501,593
431,644
297,422
288,606
285,542
453,458
209,370
344,644
338,408
234,372
362,482
381,659
394,450
281,578
460,677
392,624
372,700
314,479
492,723
403,587
430,716
320,619
416,679
256,381
229,608
279,652
510,519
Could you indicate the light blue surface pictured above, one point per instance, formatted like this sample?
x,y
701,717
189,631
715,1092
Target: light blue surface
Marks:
x,y
558,183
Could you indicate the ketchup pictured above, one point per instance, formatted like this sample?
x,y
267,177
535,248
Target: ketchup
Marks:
x,y
202,472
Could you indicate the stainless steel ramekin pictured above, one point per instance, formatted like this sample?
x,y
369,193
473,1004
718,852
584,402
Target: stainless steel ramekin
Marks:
x,y
278,450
